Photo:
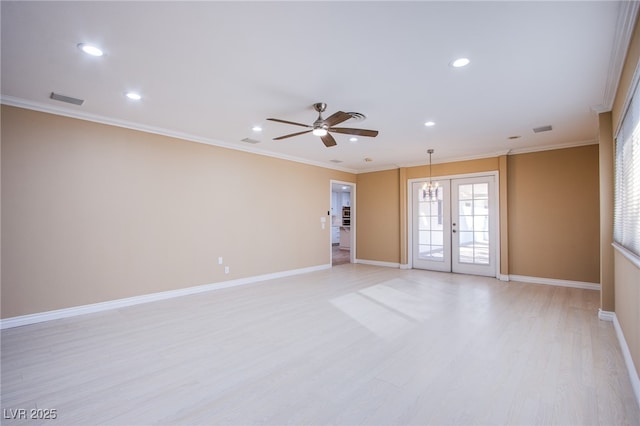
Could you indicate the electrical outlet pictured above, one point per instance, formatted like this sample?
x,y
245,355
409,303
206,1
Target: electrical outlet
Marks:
x,y
226,269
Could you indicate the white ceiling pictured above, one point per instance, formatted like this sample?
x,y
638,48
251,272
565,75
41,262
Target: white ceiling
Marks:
x,y
210,71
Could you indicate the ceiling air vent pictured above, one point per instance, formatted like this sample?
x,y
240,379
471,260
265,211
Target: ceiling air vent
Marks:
x,y
67,99
336,161
249,140
542,129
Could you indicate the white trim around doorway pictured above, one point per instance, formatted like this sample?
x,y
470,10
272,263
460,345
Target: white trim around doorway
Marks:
x,y
352,234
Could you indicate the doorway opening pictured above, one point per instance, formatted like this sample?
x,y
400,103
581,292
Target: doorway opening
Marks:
x,y
342,219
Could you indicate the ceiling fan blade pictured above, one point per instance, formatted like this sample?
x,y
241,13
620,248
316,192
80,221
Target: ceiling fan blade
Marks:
x,y
289,122
359,132
328,140
337,118
291,135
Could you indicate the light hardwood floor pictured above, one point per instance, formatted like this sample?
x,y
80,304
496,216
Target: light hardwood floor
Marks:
x,y
354,344
339,256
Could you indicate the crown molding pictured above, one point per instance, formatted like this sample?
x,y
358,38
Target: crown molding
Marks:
x,y
525,150
515,151
443,160
81,115
528,150
627,15
42,107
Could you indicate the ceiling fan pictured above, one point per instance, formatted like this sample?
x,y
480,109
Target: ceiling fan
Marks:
x,y
322,126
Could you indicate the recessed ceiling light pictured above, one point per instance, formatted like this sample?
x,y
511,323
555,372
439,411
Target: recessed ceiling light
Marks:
x,y
256,128
90,49
353,139
460,62
133,96
430,123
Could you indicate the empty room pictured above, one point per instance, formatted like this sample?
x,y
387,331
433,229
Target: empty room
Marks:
x,y
320,213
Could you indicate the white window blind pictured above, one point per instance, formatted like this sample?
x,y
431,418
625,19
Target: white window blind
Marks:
x,y
626,218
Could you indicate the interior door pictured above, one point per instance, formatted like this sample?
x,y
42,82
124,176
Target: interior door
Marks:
x,y
455,231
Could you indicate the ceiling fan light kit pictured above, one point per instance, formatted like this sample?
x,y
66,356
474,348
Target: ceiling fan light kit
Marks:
x,y
323,127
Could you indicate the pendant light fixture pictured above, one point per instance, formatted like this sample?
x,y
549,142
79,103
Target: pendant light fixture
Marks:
x,y
430,189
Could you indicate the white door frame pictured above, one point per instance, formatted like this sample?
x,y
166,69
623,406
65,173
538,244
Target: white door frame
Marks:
x,y
352,233
496,219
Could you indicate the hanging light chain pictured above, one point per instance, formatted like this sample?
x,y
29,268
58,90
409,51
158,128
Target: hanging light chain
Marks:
x,y
430,191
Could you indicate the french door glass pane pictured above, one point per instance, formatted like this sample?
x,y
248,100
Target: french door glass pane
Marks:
x,y
481,223
437,253
481,190
436,223
481,207
430,227
473,223
465,192
465,223
465,207
437,238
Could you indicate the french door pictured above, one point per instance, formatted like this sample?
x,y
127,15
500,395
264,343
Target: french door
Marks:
x,y
454,229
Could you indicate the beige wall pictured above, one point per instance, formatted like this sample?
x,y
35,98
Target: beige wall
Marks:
x,y
92,213
626,274
627,303
454,168
504,215
382,198
605,162
554,214
549,211
378,216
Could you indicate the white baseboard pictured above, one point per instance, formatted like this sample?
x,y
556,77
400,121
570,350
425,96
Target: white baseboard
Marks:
x,y
503,277
146,298
626,353
551,281
378,263
606,315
